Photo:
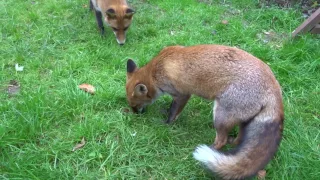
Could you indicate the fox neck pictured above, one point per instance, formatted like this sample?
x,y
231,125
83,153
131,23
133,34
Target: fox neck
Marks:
x,y
148,75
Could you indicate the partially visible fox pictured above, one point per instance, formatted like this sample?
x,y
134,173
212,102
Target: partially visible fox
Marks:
x,y
116,13
245,93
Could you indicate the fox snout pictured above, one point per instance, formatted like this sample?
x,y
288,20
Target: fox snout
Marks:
x,y
121,42
138,110
120,36
118,29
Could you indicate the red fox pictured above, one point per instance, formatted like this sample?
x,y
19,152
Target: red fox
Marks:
x,y
245,92
116,13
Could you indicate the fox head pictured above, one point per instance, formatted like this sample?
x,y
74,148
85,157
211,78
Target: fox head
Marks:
x,y
119,19
139,92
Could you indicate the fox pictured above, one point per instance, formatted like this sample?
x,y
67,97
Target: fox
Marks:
x,y
116,13
245,94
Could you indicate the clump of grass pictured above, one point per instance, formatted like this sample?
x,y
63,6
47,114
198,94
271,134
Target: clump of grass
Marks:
x,y
60,47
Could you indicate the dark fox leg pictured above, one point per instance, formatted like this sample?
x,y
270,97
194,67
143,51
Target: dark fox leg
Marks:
x,y
176,107
223,123
99,21
90,5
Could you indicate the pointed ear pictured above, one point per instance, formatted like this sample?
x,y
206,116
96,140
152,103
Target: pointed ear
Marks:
x,y
111,13
131,66
129,13
140,90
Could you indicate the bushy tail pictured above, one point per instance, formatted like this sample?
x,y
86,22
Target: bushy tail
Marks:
x,y
260,142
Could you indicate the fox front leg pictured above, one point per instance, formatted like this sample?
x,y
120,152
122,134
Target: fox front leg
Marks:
x,y
90,5
99,21
176,107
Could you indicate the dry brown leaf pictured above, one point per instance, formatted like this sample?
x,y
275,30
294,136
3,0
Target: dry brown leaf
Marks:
x,y
87,88
266,32
262,174
13,88
224,22
80,145
125,110
269,33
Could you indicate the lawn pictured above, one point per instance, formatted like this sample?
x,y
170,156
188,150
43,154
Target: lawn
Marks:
x,y
59,46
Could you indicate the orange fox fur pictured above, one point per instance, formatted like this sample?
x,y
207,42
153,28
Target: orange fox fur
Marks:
x,y
116,13
245,93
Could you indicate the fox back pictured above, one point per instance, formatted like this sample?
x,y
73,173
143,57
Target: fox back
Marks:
x,y
206,71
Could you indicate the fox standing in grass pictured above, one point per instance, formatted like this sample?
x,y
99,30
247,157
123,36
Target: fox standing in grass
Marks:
x,y
243,88
116,13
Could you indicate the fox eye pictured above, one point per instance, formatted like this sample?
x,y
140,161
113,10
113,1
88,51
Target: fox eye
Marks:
x,y
125,28
115,29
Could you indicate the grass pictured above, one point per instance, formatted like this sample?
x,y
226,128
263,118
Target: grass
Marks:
x,y
59,45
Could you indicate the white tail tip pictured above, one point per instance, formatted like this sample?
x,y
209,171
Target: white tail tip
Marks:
x,y
204,154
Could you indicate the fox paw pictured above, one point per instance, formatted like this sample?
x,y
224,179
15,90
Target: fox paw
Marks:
x,y
167,122
102,32
233,140
217,146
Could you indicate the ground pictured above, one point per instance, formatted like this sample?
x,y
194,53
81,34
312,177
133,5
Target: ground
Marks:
x,y
50,129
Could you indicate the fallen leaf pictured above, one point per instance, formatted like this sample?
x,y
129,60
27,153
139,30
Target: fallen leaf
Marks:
x,y
18,68
224,22
87,88
13,87
267,36
134,134
125,110
235,11
84,5
269,33
80,145
261,174
278,46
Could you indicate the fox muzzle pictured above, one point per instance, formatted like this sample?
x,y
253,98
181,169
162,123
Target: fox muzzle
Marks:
x,y
138,110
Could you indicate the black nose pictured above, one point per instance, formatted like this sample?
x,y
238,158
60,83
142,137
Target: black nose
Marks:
x,y
121,44
138,111
135,110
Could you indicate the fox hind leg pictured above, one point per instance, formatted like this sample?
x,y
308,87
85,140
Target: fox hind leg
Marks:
x,y
224,122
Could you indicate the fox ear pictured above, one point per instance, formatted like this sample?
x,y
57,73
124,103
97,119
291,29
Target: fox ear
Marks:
x,y
140,90
131,66
111,13
129,13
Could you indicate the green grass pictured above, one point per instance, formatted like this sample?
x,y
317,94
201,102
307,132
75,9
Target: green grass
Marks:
x,y
59,45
